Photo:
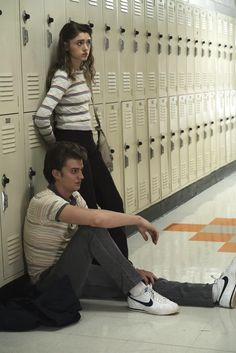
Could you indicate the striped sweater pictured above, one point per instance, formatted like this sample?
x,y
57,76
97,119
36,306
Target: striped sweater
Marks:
x,y
45,238
67,103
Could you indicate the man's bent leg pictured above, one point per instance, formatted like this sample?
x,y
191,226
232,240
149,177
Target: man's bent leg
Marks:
x,y
86,244
189,294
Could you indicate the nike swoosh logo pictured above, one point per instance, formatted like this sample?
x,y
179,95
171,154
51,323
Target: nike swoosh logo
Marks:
x,y
150,303
226,280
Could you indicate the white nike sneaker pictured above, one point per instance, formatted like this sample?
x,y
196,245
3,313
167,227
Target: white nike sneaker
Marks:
x,y
152,303
226,287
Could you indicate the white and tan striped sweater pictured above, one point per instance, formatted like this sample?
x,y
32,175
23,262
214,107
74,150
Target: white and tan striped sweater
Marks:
x,y
45,238
68,102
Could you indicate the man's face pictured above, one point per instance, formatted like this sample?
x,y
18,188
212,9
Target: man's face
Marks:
x,y
70,177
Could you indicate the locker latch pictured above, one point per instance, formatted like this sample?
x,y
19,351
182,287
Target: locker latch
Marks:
x,y
172,146
126,161
25,36
139,156
179,50
169,49
147,47
4,201
159,48
106,43
162,149
135,46
122,44
151,153
49,38
181,142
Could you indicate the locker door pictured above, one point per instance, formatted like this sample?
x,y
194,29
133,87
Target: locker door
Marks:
x,y
233,122
199,134
204,38
114,133
94,15
12,194
9,68
227,127
32,51
151,33
220,101
197,51
172,48
165,151
54,20
219,53
154,150
206,133
162,48
75,11
213,132
225,53
189,49
1,261
183,128
142,154
126,53
130,157
191,122
181,48
35,150
174,143
211,51
110,35
139,50
231,53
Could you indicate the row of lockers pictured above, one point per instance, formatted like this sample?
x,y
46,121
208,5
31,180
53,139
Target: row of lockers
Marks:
x,y
142,49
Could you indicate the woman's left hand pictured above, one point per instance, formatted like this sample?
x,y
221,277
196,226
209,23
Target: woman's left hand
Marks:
x,y
148,277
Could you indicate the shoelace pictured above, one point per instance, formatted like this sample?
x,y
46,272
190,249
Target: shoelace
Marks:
x,y
156,296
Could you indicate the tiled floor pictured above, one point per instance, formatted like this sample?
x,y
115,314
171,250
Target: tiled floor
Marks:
x,y
197,240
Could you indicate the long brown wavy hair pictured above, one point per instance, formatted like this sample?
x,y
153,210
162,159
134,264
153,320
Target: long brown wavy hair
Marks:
x,y
68,32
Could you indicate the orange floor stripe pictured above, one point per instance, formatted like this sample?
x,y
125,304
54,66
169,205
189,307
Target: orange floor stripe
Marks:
x,y
228,247
185,227
224,221
202,236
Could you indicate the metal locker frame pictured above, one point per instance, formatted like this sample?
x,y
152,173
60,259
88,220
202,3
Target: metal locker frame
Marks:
x,y
191,122
181,48
183,131
206,133
204,38
174,143
190,69
199,135
162,48
171,48
197,50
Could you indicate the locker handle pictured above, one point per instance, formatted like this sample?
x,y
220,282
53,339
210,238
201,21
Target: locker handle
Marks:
x,y
181,131
163,137
179,38
50,20
205,124
196,41
225,46
107,28
188,40
122,30
5,180
32,173
0,12
190,129
112,150
136,32
198,126
160,35
232,117
159,48
212,122
152,139
127,147
219,45
173,134
140,143
148,34
203,42
91,24
179,50
25,16
170,37
210,43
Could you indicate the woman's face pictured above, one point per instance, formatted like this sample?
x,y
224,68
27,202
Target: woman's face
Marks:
x,y
79,49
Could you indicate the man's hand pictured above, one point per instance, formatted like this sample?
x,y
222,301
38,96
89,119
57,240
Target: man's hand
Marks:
x,y
148,277
146,228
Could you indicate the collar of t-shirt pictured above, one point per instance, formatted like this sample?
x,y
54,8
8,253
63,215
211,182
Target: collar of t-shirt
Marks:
x,y
53,188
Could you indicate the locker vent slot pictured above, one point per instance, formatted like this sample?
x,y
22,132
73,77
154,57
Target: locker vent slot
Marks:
x,y
162,81
198,106
97,84
205,79
151,81
124,6
182,111
192,166
112,121
207,160
211,78
203,21
180,14
210,22
33,86
143,190
173,110
171,12
111,82
109,4
140,115
183,171
199,162
231,30
174,172
172,80
93,2
197,80
225,28
14,249
196,19
128,119
152,112
139,81
161,11
189,79
130,197
155,185
126,82
189,17
149,9
164,179
8,139
6,88
137,8
33,135
190,110
181,80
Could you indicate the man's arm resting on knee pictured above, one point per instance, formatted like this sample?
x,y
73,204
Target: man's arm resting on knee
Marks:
x,y
107,219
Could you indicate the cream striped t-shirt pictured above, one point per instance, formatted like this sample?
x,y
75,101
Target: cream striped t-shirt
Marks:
x,y
45,238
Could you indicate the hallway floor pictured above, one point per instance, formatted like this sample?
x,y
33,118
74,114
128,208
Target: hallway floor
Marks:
x,y
197,240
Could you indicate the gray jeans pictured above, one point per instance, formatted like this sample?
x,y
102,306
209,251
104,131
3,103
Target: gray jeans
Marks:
x,y
115,275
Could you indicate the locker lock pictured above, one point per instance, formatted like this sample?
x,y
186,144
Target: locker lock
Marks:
x,y
152,139
0,12
190,129
179,38
112,150
203,42
5,180
127,147
140,143
196,41
188,40
170,37
32,173
210,43
148,34
91,25
107,28
160,35
181,131
173,134
122,30
163,137
50,20
136,32
25,16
